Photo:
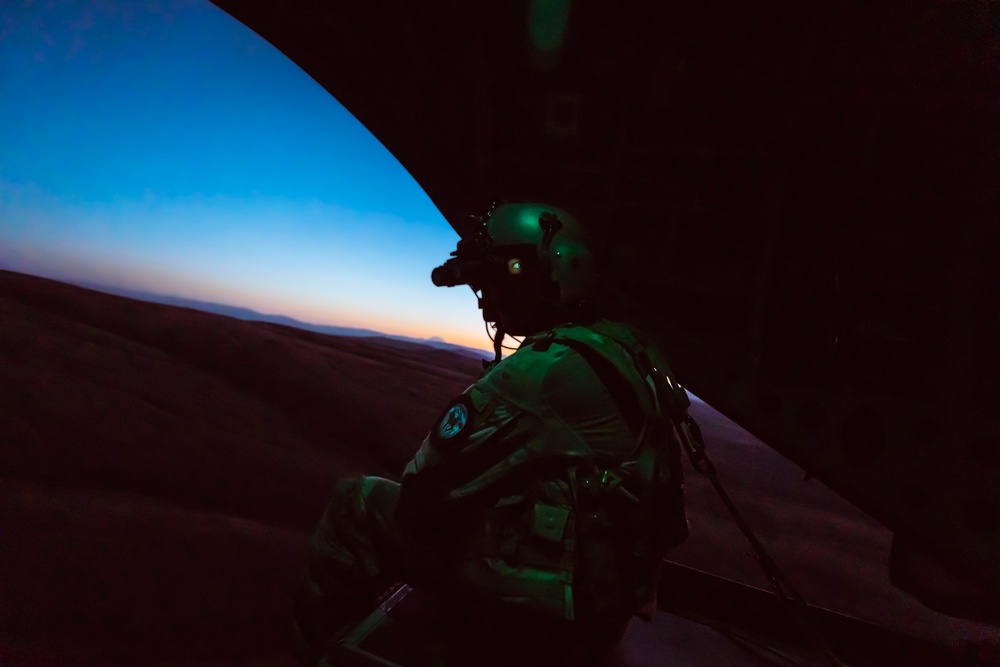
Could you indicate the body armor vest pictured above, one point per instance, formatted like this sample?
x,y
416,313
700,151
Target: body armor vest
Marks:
x,y
586,540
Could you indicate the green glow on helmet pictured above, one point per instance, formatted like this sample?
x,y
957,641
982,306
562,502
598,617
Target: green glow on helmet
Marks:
x,y
514,267
547,24
567,260
527,221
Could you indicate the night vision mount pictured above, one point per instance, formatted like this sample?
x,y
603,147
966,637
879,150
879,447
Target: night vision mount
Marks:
x,y
470,263
479,256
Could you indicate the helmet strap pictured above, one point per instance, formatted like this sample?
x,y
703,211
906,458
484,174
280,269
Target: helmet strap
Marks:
x,y
498,344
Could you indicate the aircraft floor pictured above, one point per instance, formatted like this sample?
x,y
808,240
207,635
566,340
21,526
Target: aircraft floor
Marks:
x,y
405,631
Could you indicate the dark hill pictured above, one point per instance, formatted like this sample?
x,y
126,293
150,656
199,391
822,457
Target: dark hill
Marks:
x,y
160,466
254,316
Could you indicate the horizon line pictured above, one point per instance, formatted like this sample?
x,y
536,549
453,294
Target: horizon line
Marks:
x,y
150,297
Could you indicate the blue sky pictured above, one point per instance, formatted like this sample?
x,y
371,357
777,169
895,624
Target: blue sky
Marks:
x,y
163,146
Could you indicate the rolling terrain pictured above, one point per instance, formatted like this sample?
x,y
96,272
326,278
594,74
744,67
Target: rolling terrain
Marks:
x,y
254,316
161,468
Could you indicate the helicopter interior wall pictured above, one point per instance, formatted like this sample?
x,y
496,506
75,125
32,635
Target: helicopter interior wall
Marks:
x,y
798,202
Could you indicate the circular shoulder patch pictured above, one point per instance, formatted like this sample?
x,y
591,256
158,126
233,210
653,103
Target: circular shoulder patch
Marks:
x,y
456,421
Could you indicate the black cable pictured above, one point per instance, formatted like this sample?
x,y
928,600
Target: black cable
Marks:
x,y
505,347
748,643
694,444
754,646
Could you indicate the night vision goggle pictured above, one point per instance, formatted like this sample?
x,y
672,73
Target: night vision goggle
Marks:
x,y
477,260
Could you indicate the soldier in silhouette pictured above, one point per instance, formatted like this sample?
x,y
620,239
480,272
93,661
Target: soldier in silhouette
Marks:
x,y
545,496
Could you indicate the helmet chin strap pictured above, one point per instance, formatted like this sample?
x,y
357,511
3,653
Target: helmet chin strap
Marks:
x,y
498,343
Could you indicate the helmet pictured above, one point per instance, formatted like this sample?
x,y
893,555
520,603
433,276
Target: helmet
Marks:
x,y
490,247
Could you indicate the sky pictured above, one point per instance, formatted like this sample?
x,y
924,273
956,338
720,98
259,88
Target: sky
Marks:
x,y
162,146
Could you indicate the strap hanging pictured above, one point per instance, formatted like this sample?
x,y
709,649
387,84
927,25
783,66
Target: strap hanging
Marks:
x,y
694,445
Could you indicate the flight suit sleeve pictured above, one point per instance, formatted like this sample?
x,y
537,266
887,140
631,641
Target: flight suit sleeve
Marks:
x,y
469,434
509,428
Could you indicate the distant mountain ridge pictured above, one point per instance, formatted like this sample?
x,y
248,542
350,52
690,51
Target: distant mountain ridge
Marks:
x,y
250,315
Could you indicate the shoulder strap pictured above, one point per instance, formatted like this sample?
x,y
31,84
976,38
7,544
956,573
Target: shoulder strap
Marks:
x,y
669,394
593,347
666,394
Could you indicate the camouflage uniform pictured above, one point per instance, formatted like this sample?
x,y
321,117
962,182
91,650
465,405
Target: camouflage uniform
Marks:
x,y
550,487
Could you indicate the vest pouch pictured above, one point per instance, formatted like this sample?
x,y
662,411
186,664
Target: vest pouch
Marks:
x,y
548,541
549,522
506,524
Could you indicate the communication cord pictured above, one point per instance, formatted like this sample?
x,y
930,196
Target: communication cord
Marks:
x,y
694,445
